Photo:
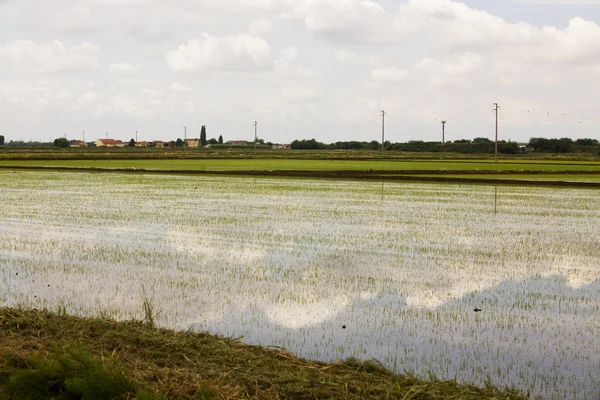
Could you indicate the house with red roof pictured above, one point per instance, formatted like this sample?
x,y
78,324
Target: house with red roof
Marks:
x,y
108,143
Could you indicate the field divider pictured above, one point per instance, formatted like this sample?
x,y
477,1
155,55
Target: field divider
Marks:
x,y
398,175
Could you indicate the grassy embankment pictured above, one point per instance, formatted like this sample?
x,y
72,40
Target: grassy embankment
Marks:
x,y
44,355
103,153
514,171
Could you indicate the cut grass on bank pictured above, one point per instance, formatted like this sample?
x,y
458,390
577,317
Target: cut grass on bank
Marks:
x,y
313,165
154,363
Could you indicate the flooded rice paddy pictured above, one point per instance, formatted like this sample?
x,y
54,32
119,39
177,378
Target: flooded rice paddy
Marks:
x,y
287,262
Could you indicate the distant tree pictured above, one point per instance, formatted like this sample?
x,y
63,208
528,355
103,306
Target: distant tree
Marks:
x,y
580,142
1,140
307,144
132,143
508,147
564,145
179,143
61,142
220,139
213,141
203,136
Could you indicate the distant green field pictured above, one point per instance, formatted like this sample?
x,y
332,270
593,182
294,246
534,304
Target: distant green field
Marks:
x,y
315,165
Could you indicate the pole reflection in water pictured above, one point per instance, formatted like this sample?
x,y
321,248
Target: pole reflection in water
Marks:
x,y
495,200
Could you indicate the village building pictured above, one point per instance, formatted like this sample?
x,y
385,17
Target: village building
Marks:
x,y
108,143
191,143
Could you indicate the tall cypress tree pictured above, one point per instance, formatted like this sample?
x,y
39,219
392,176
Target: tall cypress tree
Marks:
x,y
203,136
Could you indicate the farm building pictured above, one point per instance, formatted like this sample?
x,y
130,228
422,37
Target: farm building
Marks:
x,y
191,142
108,143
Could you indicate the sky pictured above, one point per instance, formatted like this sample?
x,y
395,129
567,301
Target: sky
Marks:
x,y
319,69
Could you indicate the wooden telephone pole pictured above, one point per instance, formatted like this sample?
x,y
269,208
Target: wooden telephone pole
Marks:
x,y
383,113
255,134
443,132
496,108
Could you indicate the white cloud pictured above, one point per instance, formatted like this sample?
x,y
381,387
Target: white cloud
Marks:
x,y
388,74
235,6
260,27
344,20
76,19
345,56
117,2
51,56
458,66
299,93
227,53
288,55
179,88
456,25
152,31
308,73
87,98
124,68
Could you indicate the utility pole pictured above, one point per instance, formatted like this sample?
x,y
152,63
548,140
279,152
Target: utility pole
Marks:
x,y
496,108
382,131
443,132
255,134
184,132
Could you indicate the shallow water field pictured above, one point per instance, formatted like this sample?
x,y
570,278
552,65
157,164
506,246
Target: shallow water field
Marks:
x,y
289,263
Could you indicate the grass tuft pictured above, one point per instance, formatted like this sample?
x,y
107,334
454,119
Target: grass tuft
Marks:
x,y
67,373
148,306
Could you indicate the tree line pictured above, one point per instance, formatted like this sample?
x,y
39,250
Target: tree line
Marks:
x,y
477,145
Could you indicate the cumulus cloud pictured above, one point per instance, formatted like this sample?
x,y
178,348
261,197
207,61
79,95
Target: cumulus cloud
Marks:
x,y
345,56
124,68
228,53
260,27
456,25
179,88
344,20
389,74
87,98
298,93
52,56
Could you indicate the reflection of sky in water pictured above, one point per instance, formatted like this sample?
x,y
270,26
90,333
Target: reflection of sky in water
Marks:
x,y
287,263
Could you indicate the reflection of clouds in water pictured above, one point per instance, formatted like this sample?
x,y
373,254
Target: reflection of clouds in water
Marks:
x,y
309,312
575,269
